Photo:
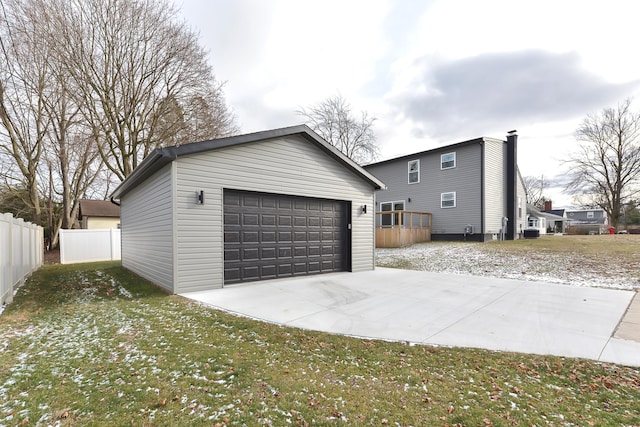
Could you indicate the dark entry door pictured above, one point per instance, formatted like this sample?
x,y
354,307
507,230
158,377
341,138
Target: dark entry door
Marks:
x,y
268,236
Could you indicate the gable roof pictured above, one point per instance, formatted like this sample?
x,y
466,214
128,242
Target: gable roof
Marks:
x,y
559,212
102,208
437,150
162,156
532,210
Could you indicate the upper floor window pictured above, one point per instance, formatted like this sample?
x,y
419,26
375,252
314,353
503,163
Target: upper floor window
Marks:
x,y
448,200
448,161
414,171
590,214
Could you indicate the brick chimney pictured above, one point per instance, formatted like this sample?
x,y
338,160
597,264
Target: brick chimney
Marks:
x,y
547,205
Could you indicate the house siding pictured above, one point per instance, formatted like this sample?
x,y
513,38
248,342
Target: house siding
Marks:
x,y
290,165
147,228
495,182
521,202
93,223
464,180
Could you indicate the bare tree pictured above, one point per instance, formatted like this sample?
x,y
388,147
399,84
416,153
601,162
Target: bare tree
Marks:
x,y
536,187
134,64
606,170
23,120
333,120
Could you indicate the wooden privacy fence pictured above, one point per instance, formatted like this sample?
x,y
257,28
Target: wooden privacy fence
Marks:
x,y
21,253
89,245
395,229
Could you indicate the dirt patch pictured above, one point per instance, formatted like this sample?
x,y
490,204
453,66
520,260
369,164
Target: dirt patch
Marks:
x,y
52,257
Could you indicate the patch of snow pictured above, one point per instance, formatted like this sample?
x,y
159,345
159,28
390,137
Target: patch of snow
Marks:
x,y
483,260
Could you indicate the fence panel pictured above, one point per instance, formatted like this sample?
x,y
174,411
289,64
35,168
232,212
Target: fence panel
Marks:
x,y
89,245
21,252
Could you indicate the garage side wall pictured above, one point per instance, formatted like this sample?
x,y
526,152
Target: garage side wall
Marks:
x,y
292,166
495,182
146,222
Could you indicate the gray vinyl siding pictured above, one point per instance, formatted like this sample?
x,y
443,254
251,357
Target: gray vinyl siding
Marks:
x,y
147,227
290,165
464,180
495,184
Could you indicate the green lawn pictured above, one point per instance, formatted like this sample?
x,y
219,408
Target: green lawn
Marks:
x,y
95,345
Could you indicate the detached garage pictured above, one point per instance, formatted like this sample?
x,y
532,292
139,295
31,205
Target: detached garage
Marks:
x,y
266,205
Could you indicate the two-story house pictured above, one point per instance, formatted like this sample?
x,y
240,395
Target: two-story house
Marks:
x,y
587,221
472,189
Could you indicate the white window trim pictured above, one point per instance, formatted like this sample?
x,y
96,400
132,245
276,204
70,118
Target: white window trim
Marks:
x,y
455,202
393,202
409,171
454,160
392,216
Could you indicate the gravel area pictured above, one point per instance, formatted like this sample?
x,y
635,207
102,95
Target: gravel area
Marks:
x,y
489,259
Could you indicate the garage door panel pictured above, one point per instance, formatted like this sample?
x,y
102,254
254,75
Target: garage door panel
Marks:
x,y
250,237
285,269
250,254
232,236
284,203
232,218
269,236
268,219
269,271
250,219
232,254
285,221
285,252
269,202
285,236
267,253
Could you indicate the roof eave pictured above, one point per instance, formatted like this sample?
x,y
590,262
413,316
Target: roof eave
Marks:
x,y
162,156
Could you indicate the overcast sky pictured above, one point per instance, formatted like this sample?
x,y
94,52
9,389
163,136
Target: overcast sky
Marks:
x,y
433,73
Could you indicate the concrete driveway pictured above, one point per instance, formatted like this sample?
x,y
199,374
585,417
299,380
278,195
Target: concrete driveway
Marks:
x,y
443,309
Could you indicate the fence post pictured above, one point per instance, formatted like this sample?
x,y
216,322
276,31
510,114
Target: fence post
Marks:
x,y
9,298
112,238
61,244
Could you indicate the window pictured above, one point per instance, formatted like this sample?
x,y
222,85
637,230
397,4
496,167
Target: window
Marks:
x,y
414,171
391,219
519,207
589,214
448,161
448,200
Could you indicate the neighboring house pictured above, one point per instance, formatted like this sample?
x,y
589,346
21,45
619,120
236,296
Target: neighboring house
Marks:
x,y
587,221
543,221
266,205
94,214
473,189
555,225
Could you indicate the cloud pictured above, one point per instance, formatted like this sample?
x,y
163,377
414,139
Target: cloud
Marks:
x,y
476,95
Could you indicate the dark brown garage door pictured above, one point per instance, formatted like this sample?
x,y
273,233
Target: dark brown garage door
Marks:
x,y
267,236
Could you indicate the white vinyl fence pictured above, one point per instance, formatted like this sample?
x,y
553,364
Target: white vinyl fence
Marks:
x,y
89,245
21,253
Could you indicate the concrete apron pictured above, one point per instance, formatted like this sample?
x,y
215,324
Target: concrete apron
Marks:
x,y
443,309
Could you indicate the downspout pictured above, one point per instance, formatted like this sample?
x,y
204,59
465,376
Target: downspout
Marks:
x,y
482,200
